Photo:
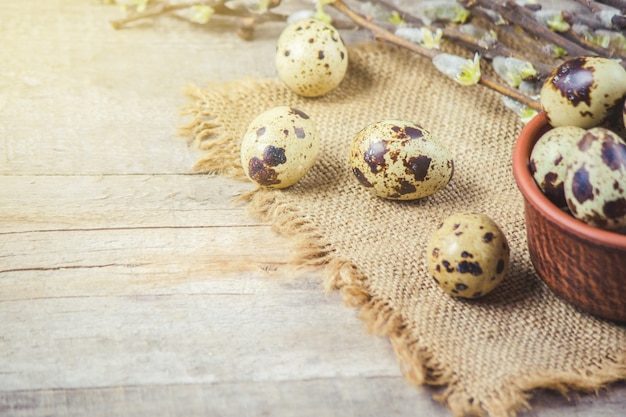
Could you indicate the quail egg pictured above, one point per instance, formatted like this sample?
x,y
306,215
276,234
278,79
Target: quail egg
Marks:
x,y
583,92
311,58
595,180
400,160
548,160
279,147
468,255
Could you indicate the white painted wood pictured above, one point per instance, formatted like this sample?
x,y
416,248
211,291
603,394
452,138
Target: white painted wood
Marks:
x,y
129,286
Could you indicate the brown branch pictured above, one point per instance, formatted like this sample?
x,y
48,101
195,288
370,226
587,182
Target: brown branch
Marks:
x,y
531,46
591,5
618,4
522,17
407,17
157,11
382,34
488,50
593,47
218,7
590,21
510,92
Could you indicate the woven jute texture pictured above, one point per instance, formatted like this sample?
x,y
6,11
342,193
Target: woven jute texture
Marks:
x,y
487,354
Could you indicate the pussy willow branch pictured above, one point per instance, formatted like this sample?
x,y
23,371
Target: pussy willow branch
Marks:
x,y
218,7
589,4
596,6
382,34
574,44
618,4
530,45
522,17
407,17
488,50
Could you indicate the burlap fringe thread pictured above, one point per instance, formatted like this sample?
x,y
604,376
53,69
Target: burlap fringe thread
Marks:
x,y
418,363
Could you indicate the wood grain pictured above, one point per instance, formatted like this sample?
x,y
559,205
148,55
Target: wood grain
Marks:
x,y
130,286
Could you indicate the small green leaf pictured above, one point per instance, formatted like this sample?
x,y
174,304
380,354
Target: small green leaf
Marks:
x,y
202,14
603,41
454,13
522,111
395,18
619,42
264,5
528,71
558,24
526,114
431,40
557,51
470,72
461,15
320,14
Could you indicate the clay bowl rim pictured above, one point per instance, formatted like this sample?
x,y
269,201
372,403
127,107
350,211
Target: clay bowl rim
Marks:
x,y
533,195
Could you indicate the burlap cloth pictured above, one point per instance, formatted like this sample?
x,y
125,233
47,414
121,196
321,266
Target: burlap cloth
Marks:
x,y
487,354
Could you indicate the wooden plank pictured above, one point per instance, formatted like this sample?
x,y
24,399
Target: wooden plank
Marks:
x,y
160,300
178,338
338,396
40,203
372,396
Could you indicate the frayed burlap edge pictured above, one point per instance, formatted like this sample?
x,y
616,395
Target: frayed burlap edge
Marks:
x,y
418,363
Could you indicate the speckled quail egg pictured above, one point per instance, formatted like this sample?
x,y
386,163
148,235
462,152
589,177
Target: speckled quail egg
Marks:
x,y
311,58
468,255
279,147
549,158
595,180
400,160
583,92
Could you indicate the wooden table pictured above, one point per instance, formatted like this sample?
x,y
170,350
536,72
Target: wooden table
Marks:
x,y
131,286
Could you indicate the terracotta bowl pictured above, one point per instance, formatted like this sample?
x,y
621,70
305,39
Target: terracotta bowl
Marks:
x,y
582,264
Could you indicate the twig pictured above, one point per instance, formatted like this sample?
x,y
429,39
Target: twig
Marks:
x,y
529,44
407,17
590,21
513,13
591,5
488,50
574,44
157,11
382,34
492,50
618,4
595,49
218,7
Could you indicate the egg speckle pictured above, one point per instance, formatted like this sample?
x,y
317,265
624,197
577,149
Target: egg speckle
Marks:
x,y
549,158
468,255
583,92
311,57
400,160
595,180
279,147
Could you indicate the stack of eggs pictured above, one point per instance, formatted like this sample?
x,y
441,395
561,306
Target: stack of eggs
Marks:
x,y
580,164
